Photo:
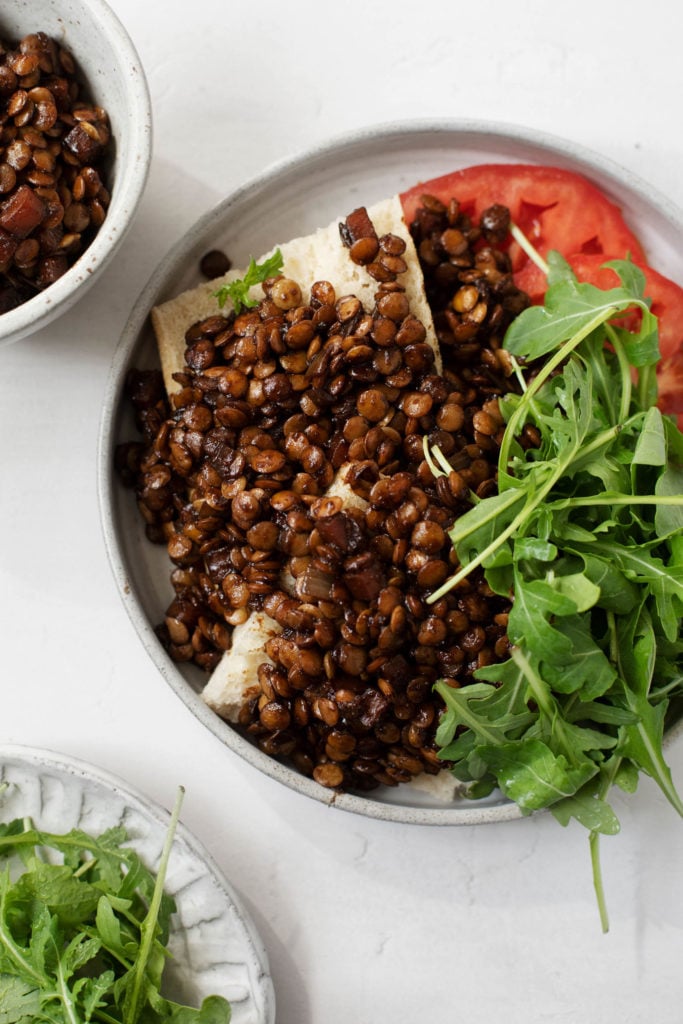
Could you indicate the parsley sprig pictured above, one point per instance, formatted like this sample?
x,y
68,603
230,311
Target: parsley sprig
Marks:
x,y
84,939
238,291
586,533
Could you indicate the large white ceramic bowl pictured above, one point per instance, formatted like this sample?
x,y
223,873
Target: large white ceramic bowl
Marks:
x,y
116,81
293,199
215,948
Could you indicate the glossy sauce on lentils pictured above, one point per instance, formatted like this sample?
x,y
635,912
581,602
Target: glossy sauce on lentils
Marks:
x,y
233,480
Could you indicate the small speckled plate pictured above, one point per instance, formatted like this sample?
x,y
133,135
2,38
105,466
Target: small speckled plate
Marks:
x,y
214,944
292,199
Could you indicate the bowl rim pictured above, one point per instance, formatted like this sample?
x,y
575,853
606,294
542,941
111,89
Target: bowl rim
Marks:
x,y
40,309
555,146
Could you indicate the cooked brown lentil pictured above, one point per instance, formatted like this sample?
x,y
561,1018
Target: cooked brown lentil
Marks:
x,y
214,263
232,478
53,150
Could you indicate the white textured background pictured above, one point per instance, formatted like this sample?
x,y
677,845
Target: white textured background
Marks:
x,y
365,922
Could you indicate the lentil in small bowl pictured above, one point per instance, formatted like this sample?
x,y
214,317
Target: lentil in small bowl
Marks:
x,y
293,200
75,149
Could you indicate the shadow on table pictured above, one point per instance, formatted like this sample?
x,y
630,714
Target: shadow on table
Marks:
x,y
291,996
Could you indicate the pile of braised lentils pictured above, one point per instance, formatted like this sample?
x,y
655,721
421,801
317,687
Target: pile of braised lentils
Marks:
x,y
53,148
233,480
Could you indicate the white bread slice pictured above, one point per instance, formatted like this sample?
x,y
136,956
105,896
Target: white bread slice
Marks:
x,y
236,673
318,257
443,787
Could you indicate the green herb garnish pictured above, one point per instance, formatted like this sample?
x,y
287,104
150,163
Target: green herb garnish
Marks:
x,y
238,291
84,939
586,531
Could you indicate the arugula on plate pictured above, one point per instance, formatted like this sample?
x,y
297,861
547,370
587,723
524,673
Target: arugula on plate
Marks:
x,y
83,931
586,534
238,290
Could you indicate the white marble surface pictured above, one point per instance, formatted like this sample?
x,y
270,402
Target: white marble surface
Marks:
x,y
364,921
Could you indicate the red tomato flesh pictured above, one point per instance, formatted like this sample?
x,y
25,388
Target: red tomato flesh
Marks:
x,y
555,209
558,209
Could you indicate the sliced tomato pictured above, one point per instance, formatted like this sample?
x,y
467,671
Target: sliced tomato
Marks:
x,y
555,208
670,381
558,209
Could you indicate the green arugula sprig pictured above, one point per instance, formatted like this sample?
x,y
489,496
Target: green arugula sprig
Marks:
x,y
586,533
238,290
85,939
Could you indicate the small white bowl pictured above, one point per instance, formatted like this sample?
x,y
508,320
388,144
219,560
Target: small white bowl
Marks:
x,y
115,80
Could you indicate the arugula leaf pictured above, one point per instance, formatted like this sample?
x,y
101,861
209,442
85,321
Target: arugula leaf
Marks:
x,y
587,670
617,593
669,518
570,306
468,707
650,447
83,940
589,809
149,962
109,929
19,1000
532,775
69,898
238,290
92,992
529,622
586,530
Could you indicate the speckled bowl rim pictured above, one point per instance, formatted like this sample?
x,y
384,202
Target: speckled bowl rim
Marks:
x,y
126,192
473,813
